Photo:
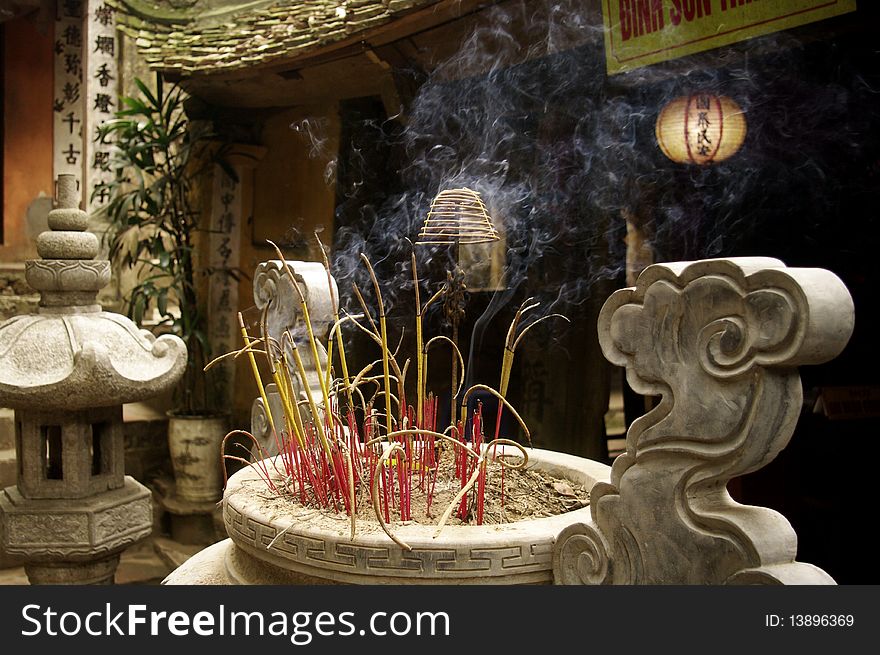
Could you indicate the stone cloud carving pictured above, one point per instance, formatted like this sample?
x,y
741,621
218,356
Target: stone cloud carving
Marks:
x,y
719,341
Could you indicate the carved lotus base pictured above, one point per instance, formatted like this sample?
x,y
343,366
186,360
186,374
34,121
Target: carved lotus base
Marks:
x,y
308,553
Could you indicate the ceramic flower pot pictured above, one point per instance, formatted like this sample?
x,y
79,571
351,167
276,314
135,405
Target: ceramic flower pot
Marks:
x,y
194,443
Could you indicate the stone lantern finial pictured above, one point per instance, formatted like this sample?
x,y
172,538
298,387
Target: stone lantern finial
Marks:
x,y
68,275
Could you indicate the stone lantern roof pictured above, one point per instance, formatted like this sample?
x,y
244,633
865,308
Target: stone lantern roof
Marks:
x,y
71,355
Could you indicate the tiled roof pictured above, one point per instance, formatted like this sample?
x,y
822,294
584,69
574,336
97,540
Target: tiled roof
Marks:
x,y
189,37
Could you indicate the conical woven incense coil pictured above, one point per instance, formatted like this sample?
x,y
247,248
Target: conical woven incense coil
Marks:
x,y
457,216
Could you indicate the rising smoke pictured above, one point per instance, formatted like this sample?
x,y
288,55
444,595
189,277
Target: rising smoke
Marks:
x,y
564,156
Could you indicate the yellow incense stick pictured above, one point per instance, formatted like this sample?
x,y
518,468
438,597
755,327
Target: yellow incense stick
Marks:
x,y
339,342
256,371
383,335
313,344
420,390
513,341
316,416
291,411
510,345
506,366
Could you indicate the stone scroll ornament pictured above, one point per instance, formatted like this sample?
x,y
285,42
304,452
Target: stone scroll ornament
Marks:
x,y
719,341
274,294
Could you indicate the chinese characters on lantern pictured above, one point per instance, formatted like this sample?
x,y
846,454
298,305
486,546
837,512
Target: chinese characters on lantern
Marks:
x,y
702,140
701,128
223,331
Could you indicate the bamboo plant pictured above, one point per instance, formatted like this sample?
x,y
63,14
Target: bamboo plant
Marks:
x,y
158,157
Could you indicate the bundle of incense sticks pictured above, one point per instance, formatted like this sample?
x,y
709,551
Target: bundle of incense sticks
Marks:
x,y
359,438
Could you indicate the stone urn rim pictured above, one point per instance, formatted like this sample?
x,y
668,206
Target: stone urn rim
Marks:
x,y
298,543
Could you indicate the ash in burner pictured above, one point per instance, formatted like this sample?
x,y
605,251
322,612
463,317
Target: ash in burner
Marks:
x,y
529,494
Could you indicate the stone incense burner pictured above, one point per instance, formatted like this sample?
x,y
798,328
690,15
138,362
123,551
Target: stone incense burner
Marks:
x,y
720,342
311,551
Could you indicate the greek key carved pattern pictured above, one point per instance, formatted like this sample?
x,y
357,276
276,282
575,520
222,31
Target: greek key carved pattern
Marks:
x,y
234,521
719,341
345,556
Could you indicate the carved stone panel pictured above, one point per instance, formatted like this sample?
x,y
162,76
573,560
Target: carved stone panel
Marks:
x,y
274,293
70,530
720,342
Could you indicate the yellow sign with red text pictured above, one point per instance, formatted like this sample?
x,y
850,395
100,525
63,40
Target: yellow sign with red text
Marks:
x,y
642,32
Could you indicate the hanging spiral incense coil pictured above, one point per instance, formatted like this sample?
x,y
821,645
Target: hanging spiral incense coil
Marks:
x,y
457,216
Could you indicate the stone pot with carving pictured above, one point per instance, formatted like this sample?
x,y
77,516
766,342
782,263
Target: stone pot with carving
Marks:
x,y
194,442
268,546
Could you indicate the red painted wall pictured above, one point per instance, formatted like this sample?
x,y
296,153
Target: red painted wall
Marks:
x,y
27,117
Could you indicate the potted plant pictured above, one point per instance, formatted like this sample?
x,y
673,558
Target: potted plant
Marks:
x,y
159,156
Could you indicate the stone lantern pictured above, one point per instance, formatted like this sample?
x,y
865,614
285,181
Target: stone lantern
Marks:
x,y
66,371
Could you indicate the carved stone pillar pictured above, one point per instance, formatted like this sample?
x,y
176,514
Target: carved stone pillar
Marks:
x,y
720,341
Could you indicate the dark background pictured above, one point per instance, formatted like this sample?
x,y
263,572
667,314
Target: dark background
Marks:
x,y
560,151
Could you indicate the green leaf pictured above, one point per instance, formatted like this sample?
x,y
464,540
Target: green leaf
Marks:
x,y
158,102
137,310
164,259
136,107
162,302
146,91
159,156
202,339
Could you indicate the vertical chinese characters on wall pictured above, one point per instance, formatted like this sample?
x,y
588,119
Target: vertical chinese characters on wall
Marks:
x,y
101,75
223,291
85,95
67,102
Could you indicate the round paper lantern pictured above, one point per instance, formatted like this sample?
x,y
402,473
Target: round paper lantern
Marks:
x,y
700,129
